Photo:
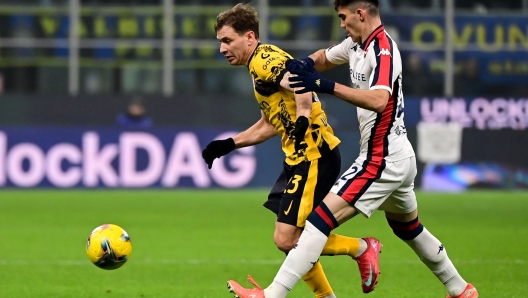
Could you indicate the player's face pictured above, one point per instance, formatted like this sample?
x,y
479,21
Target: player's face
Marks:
x,y
233,46
351,21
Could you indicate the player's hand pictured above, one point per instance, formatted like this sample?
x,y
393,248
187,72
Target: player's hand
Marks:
x,y
216,149
311,81
301,126
305,63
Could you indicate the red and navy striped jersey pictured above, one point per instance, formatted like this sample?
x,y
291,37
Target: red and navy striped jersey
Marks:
x,y
376,64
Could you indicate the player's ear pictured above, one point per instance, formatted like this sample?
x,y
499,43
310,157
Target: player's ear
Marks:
x,y
250,35
361,14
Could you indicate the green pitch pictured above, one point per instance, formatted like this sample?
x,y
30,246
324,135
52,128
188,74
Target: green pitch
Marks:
x,y
189,243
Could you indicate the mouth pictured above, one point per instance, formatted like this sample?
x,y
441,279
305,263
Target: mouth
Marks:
x,y
230,58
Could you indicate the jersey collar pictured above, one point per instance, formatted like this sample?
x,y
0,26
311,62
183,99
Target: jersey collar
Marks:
x,y
367,41
253,54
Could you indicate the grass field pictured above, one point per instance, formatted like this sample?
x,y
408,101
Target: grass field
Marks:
x,y
188,243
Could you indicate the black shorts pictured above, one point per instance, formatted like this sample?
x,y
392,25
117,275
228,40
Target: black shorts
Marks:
x,y
300,188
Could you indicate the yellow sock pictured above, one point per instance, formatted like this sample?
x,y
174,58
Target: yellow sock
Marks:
x,y
341,245
317,281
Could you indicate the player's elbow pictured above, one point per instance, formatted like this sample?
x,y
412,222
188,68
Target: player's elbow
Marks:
x,y
321,63
379,106
379,100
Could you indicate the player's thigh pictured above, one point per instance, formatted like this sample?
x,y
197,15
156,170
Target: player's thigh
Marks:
x,y
403,199
340,209
308,185
402,217
366,185
328,169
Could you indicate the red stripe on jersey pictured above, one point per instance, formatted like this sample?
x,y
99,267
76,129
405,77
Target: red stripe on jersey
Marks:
x,y
385,61
325,217
379,141
377,151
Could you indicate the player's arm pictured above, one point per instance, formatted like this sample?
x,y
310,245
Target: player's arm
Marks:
x,y
384,67
256,134
321,63
374,100
316,61
303,102
303,105
259,132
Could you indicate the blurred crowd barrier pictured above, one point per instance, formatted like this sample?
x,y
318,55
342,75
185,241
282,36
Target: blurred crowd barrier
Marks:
x,y
121,48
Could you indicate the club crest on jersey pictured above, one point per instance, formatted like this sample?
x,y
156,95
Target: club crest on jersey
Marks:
x,y
384,52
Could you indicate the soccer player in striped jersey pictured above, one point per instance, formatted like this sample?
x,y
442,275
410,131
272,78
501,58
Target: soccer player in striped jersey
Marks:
x,y
312,163
382,177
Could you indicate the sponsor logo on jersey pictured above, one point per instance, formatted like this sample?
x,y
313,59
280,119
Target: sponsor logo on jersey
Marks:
x,y
384,52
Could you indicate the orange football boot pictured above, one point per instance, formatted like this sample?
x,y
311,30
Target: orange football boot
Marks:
x,y
241,292
469,292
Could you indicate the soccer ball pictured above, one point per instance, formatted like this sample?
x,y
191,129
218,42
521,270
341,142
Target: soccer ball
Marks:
x,y
108,246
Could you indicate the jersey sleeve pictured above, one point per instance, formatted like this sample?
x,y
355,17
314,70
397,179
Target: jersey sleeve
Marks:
x,y
270,67
339,53
385,61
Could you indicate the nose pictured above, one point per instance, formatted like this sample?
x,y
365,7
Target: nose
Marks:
x,y
223,48
342,24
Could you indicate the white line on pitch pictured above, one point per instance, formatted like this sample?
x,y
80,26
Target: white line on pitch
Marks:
x,y
234,262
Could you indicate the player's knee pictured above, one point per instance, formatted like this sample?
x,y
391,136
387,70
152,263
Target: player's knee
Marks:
x,y
284,242
406,230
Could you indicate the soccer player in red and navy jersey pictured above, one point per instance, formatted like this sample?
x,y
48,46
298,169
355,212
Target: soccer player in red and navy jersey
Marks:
x,y
382,177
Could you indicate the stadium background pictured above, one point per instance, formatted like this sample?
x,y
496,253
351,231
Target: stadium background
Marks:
x,y
65,86
66,81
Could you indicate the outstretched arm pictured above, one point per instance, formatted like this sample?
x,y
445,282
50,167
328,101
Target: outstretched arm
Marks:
x,y
256,134
374,100
259,132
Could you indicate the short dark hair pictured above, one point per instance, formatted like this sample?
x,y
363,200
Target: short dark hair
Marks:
x,y
371,6
241,17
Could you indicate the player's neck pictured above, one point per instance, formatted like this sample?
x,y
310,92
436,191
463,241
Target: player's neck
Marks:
x,y
369,27
250,52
